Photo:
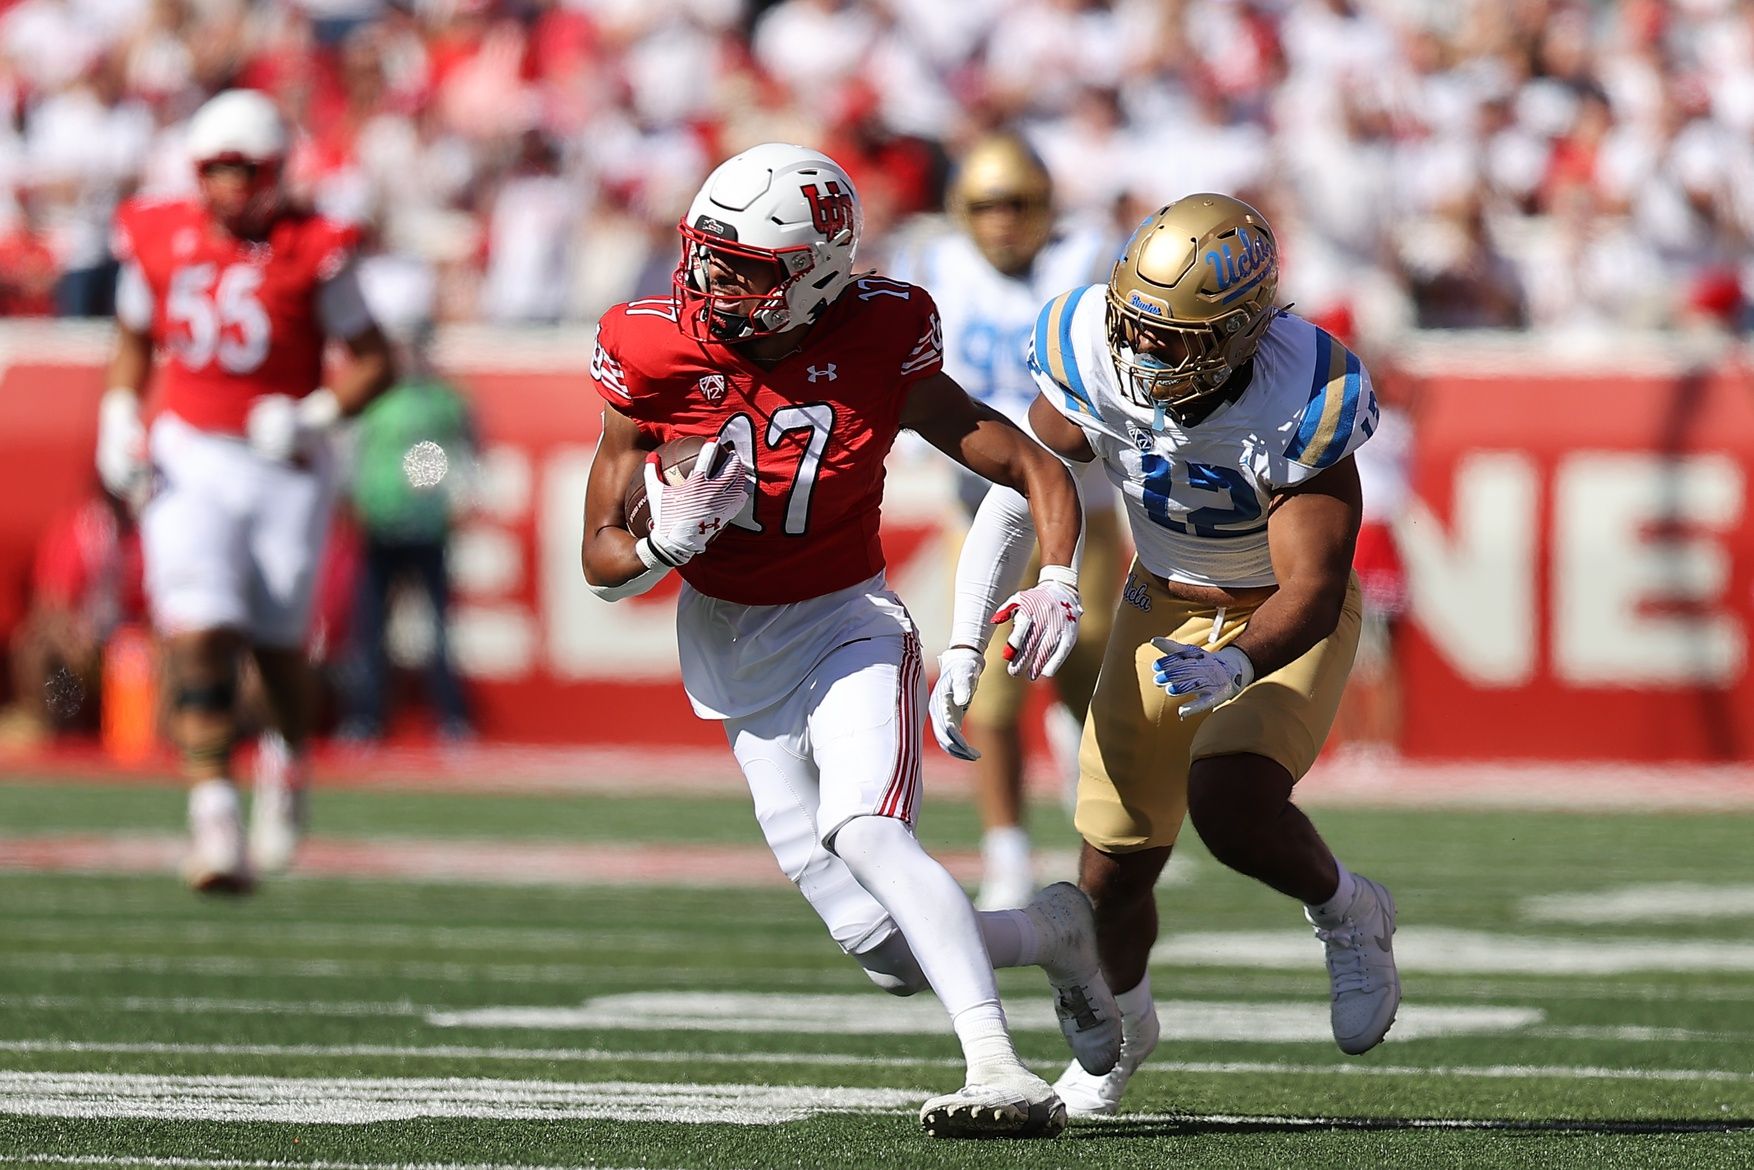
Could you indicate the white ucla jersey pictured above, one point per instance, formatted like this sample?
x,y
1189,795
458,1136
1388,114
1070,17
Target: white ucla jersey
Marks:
x,y
1197,497
989,316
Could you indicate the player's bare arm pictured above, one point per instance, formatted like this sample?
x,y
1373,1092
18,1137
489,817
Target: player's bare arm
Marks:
x,y
131,362
992,446
1058,433
608,554
1311,530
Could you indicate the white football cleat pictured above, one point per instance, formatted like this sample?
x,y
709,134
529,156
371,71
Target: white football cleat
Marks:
x,y
1089,1017
1366,988
1007,870
1019,1105
277,805
1098,1096
216,863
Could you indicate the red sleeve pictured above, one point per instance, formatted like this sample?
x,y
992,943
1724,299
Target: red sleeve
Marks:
x,y
925,337
626,349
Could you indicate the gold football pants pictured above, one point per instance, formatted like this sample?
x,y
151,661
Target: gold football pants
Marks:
x,y
1133,762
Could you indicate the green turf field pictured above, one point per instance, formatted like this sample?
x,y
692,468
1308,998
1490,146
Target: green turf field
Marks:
x,y
1579,992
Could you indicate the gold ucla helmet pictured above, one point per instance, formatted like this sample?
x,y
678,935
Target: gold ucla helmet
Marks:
x,y
1003,197
1190,298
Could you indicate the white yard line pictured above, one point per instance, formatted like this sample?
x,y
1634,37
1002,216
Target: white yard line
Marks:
x,y
275,1164
1655,902
474,1052
202,1005
694,1057
1244,1121
367,1100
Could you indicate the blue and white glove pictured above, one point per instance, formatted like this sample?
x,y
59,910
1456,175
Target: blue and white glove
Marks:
x,y
1209,678
959,672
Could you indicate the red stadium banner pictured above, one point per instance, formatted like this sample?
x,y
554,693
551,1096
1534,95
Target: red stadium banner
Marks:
x,y
1579,550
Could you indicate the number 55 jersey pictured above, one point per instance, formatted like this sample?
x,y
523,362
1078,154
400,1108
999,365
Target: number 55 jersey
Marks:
x,y
1197,496
237,318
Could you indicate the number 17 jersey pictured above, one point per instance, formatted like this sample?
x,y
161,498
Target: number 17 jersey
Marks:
x,y
814,428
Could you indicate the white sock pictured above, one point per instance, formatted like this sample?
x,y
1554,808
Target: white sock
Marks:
x,y
213,798
940,926
986,1042
1011,938
1334,909
1005,848
1135,1003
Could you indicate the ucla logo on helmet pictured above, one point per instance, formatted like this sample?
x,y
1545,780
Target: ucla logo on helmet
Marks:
x,y
1239,263
1145,304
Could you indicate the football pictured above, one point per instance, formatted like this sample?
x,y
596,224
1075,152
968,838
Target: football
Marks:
x,y
675,463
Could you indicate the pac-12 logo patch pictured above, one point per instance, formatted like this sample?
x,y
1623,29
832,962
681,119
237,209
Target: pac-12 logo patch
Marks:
x,y
712,387
831,210
1141,438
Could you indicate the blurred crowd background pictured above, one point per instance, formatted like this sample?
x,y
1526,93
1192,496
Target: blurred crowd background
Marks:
x,y
1550,164
1575,169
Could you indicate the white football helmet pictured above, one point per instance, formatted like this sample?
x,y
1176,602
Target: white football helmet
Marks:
x,y
240,128
789,205
239,125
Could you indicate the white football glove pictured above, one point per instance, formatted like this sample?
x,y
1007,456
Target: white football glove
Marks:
x,y
959,672
121,445
1208,678
686,517
280,426
1044,623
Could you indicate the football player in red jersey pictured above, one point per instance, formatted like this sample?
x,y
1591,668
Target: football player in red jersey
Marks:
x,y
237,291
803,371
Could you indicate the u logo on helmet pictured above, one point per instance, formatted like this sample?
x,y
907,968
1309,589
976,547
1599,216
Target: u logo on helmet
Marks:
x,y
832,213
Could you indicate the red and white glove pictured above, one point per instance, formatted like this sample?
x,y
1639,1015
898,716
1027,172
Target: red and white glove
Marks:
x,y
959,672
1208,677
280,426
686,517
121,445
1044,623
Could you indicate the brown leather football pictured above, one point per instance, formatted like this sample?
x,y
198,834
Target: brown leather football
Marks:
x,y
675,463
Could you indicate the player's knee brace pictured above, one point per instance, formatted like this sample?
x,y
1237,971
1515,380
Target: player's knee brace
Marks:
x,y
891,965
207,742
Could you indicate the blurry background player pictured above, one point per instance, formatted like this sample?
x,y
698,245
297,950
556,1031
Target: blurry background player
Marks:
x,y
772,348
237,292
990,279
413,449
85,582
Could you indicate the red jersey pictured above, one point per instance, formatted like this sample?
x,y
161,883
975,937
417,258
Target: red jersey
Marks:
x,y
237,318
816,427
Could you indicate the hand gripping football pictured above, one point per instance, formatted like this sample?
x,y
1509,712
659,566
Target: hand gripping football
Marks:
x,y
675,463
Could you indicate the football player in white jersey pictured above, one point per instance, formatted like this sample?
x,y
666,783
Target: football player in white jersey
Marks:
x,y
1229,427
990,279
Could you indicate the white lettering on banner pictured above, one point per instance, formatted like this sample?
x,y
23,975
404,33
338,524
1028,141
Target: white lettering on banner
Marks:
x,y
587,636
1633,609
1473,588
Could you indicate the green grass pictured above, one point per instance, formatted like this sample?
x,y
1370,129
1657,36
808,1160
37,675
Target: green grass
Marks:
x,y
336,978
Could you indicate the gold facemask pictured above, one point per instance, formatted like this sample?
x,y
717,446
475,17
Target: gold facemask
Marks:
x,y
1002,196
1190,298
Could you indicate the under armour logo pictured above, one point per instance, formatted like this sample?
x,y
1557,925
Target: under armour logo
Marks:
x,y
711,524
822,372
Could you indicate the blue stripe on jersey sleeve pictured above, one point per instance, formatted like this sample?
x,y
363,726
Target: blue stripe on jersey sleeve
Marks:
x,y
1312,411
1069,355
1348,413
